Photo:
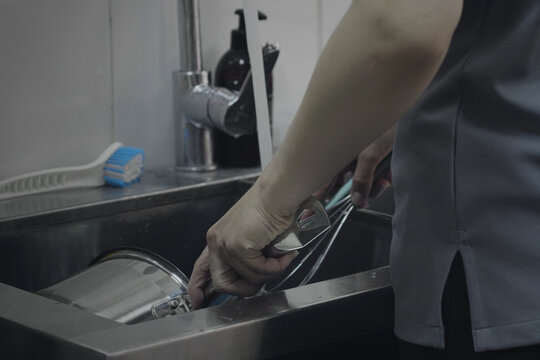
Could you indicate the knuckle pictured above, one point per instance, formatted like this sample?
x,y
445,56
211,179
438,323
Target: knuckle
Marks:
x,y
198,264
232,248
273,275
213,237
252,276
217,283
220,286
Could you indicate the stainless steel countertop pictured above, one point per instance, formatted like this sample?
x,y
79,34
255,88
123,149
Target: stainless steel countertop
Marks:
x,y
261,327
255,328
71,204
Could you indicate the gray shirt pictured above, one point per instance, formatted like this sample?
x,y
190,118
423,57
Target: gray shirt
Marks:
x,y
466,168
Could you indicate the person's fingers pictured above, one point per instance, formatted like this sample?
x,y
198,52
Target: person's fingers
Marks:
x,y
379,186
366,166
228,280
236,242
198,280
362,180
259,269
240,287
238,278
323,191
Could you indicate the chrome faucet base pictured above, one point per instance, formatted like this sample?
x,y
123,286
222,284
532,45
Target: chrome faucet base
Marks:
x,y
194,141
196,152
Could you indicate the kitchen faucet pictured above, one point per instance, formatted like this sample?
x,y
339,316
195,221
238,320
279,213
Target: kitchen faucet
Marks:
x,y
200,107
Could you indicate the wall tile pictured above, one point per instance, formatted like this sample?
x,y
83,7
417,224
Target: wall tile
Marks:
x,y
145,54
55,83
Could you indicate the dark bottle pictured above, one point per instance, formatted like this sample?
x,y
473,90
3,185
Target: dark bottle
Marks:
x,y
231,71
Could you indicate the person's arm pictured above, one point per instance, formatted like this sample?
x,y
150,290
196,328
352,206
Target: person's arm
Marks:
x,y
376,64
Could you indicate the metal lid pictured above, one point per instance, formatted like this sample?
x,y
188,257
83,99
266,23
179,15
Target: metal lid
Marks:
x,y
148,257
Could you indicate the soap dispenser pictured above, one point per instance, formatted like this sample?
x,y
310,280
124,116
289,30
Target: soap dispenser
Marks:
x,y
231,71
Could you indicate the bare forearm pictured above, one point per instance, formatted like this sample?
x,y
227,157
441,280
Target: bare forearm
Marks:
x,y
380,58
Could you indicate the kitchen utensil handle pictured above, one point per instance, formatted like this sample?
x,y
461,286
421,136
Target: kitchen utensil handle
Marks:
x,y
311,203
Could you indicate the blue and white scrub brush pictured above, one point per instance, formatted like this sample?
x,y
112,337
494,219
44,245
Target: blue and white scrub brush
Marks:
x,y
117,166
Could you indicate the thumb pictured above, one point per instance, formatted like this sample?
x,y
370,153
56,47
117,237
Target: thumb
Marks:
x,y
198,280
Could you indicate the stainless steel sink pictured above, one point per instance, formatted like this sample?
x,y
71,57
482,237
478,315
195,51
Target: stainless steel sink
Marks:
x,y
348,300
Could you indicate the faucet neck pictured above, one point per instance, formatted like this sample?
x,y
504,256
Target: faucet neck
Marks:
x,y
189,35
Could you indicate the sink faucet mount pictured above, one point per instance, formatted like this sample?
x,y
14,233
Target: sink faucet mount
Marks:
x,y
200,107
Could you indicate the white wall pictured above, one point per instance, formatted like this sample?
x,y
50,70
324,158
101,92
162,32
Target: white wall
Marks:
x,y
331,13
145,54
76,75
55,88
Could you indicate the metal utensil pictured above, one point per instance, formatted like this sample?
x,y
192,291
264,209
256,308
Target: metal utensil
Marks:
x,y
310,222
128,285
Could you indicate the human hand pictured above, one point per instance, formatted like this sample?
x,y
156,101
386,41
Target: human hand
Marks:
x,y
234,257
329,189
368,182
199,279
365,185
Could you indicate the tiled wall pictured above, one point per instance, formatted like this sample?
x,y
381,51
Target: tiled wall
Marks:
x,y
75,75
145,54
55,83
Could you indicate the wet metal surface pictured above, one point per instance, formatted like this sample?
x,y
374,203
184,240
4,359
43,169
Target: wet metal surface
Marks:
x,y
260,327
351,296
69,205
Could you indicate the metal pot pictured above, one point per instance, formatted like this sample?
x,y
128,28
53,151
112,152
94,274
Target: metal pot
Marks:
x,y
128,285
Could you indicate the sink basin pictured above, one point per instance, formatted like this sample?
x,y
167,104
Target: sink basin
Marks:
x,y
351,288
42,249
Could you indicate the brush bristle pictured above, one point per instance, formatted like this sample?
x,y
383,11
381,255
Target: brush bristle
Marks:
x,y
124,167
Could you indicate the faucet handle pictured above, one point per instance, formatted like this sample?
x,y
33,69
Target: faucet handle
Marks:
x,y
240,115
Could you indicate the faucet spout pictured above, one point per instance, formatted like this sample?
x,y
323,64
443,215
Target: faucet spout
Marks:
x,y
189,35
